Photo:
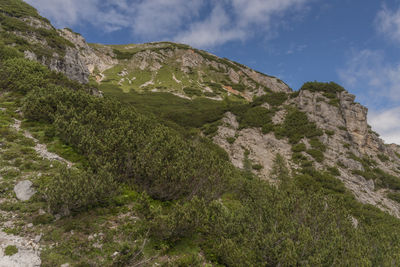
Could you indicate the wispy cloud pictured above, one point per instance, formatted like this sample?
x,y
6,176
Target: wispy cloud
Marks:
x,y
388,23
368,69
387,124
202,23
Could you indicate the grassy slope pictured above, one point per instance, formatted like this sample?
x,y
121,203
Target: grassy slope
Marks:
x,y
87,238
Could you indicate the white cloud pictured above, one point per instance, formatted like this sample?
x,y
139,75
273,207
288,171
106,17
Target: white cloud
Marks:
x,y
201,23
214,30
387,124
368,69
159,18
388,23
105,14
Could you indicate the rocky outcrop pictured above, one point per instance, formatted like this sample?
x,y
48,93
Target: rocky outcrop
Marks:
x,y
351,135
90,58
272,83
68,62
24,191
347,138
71,65
250,146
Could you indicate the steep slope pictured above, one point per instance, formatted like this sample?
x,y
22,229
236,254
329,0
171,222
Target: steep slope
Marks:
x,y
193,74
132,177
171,67
24,29
346,143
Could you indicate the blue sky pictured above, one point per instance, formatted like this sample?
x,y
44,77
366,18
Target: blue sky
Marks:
x,y
353,42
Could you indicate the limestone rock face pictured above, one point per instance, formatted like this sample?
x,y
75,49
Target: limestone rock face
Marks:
x,y
261,148
347,137
24,190
71,65
355,117
352,136
88,57
272,83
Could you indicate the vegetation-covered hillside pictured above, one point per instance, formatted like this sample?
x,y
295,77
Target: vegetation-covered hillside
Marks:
x,y
153,178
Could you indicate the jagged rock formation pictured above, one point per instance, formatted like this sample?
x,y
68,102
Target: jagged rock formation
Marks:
x,y
173,68
250,145
93,60
39,40
347,136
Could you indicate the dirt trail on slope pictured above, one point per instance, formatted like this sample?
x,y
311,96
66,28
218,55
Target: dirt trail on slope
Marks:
x,y
41,149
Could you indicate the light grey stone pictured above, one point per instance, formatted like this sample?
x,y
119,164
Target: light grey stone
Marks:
x,y
24,190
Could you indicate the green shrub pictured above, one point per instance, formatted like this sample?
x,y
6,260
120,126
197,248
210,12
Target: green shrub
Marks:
x,y
395,196
75,190
383,157
255,117
294,94
257,167
21,75
275,99
329,132
299,147
210,94
334,102
10,250
121,55
330,88
316,154
43,219
267,128
334,171
192,91
297,126
318,145
231,140
139,149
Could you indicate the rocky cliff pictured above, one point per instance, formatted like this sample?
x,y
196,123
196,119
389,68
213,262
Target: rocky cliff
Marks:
x,y
363,160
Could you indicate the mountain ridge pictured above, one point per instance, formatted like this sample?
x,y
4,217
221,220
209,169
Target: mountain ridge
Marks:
x,y
162,154
191,73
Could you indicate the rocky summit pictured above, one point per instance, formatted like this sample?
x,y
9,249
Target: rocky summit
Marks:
x,y
163,154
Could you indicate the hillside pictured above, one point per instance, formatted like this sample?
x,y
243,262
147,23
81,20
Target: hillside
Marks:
x,y
162,154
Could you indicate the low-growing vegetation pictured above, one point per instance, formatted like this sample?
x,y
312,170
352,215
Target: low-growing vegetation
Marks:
x,y
142,191
296,126
10,250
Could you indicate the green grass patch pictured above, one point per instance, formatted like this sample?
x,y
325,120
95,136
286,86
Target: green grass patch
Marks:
x,y
10,250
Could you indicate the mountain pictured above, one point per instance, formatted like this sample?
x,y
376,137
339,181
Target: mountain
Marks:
x,y
163,154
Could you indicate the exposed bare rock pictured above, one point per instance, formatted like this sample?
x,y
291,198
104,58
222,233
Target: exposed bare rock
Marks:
x,y
352,135
279,116
262,148
234,76
272,83
24,191
191,59
72,65
93,59
28,254
37,23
